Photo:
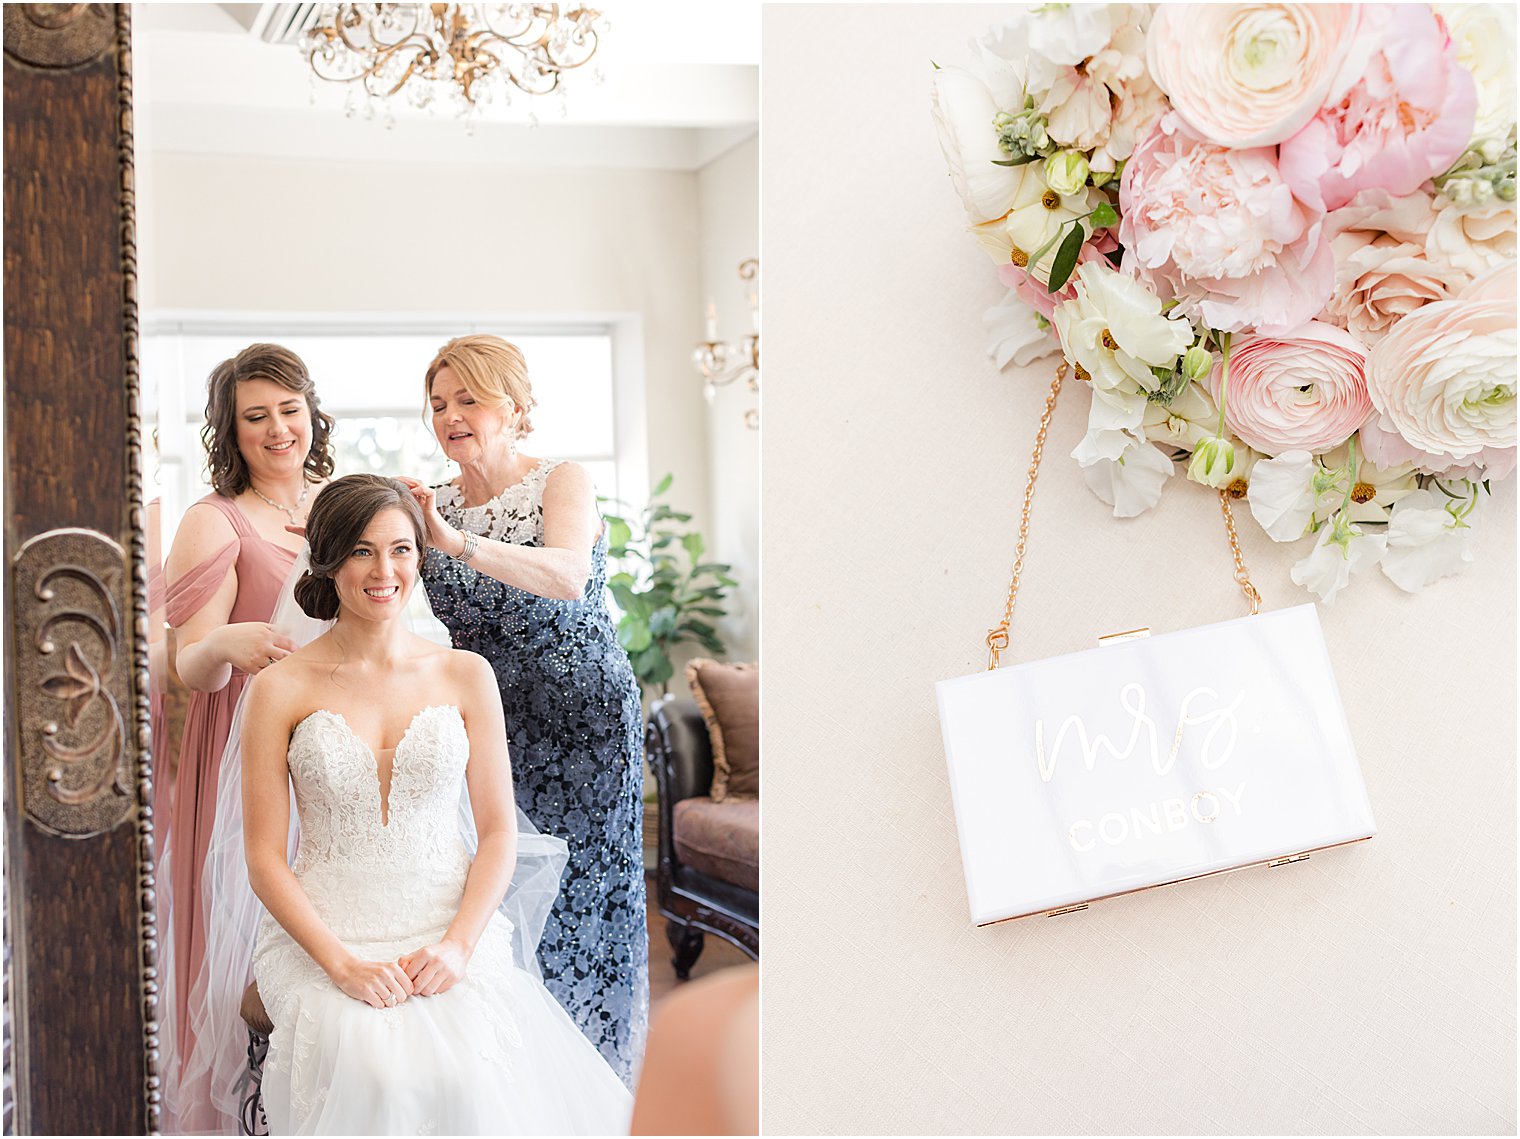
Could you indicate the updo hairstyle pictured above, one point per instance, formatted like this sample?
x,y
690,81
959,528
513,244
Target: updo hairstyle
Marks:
x,y
491,370
225,465
343,510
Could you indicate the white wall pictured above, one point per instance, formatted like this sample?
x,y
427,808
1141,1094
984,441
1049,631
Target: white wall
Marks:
x,y
728,190
281,235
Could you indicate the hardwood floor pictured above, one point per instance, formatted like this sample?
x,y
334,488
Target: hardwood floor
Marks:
x,y
716,953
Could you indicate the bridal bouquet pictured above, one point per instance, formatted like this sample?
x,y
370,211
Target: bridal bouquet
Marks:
x,y
1276,241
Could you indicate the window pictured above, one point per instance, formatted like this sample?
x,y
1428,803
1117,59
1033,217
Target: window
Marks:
x,y
369,378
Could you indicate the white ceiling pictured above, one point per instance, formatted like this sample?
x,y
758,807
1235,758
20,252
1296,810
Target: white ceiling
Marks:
x,y
681,87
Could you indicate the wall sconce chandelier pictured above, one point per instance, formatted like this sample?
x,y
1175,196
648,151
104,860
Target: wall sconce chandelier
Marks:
x,y
460,55
721,363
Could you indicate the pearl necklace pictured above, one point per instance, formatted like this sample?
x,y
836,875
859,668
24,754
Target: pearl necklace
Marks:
x,y
289,511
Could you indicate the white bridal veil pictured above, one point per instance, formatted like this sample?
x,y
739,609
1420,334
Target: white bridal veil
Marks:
x,y
205,1073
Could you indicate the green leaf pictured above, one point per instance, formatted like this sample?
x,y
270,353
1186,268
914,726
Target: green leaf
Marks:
x,y
663,486
1022,160
1104,216
619,533
1066,259
653,667
698,628
694,547
633,634
662,622
623,594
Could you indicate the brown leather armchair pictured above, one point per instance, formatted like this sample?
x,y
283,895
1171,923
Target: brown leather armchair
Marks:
x,y
708,874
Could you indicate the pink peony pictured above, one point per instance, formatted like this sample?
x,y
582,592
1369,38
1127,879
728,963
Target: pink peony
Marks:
x,y
1406,118
1382,271
1305,391
1244,75
1443,383
1220,231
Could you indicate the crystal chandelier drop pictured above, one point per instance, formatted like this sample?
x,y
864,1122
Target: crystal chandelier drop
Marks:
x,y
720,363
461,56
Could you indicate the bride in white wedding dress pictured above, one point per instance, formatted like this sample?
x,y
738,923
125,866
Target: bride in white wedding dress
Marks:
x,y
383,961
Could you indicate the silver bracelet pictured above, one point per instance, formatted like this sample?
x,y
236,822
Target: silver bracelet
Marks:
x,y
471,544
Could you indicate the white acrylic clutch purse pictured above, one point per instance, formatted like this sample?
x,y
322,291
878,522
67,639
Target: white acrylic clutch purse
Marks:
x,y
1147,762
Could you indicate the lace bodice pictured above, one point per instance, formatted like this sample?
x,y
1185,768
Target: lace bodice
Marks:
x,y
372,881
515,515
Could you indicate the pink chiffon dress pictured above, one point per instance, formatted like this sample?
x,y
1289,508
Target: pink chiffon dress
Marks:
x,y
262,567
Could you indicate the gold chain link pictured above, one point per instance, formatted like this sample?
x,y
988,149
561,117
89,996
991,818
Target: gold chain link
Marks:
x,y
1242,575
997,636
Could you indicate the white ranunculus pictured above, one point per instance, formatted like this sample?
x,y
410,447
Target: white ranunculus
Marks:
x,y
1343,549
1484,35
1283,495
1427,540
963,108
1132,483
1015,334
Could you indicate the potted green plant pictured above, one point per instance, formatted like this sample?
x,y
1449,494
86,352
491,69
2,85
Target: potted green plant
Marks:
x,y
669,596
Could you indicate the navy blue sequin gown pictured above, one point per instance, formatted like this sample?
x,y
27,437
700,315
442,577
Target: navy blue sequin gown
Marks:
x,y
573,726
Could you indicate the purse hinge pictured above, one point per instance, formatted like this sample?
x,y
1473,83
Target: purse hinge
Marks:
x,y
1127,635
1290,859
1066,910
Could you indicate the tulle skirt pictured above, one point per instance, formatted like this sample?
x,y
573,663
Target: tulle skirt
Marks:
x,y
496,1054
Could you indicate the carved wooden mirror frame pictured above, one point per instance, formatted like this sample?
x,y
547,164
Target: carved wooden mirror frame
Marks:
x,y
81,924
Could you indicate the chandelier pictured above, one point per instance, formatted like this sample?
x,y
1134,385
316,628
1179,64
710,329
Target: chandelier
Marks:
x,y
458,55
720,363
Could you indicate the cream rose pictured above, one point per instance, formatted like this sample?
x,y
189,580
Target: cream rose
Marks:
x,y
1468,243
1247,75
1304,391
1382,271
1443,380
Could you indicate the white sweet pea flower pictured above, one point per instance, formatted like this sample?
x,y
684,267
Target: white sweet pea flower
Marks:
x,y
1343,549
1132,483
1016,333
1113,327
1429,537
1185,422
1113,424
1373,490
1284,494
1045,39
1033,224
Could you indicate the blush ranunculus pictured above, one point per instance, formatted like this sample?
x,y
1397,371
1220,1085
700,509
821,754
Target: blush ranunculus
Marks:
x,y
1220,231
1443,381
1246,75
1304,391
1406,118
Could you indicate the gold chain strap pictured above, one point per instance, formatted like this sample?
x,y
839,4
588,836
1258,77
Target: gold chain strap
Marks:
x,y
997,636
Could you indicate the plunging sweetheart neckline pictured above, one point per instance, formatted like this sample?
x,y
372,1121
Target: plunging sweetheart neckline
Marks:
x,y
384,793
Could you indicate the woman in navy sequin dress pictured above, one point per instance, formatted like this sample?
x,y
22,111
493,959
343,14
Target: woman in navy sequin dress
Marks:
x,y
518,574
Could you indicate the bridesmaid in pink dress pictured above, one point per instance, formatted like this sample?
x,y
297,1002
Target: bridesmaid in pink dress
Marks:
x,y
267,452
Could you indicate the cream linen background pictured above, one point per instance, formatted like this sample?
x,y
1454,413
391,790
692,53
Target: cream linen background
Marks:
x,y
1368,990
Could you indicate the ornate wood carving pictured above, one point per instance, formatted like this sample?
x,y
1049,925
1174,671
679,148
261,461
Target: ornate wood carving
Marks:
x,y
72,683
59,35
79,830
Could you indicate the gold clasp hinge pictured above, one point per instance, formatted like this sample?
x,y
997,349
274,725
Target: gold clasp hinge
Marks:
x,y
1066,910
1292,858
